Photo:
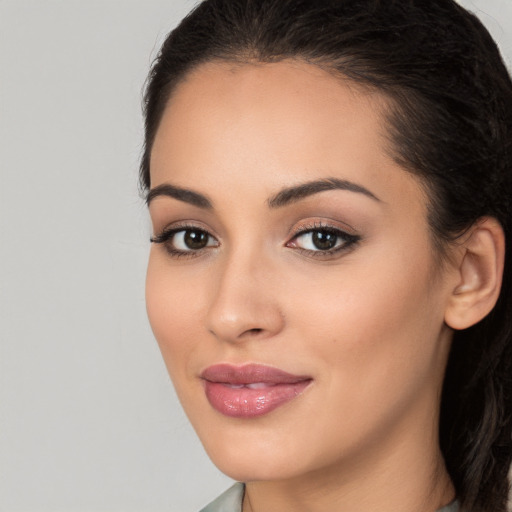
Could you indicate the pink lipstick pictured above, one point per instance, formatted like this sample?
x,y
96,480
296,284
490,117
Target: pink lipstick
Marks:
x,y
250,390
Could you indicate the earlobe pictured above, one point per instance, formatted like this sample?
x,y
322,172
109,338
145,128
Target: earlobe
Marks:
x,y
479,275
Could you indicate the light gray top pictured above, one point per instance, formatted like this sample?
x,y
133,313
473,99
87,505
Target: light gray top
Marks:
x,y
231,501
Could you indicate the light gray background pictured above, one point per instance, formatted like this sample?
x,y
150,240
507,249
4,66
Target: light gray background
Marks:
x,y
88,418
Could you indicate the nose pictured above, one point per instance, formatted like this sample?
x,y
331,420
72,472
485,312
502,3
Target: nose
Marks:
x,y
244,303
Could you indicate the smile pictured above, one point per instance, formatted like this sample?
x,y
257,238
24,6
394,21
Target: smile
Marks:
x,y
251,390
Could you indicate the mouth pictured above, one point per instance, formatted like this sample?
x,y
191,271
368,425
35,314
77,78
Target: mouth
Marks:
x,y
251,390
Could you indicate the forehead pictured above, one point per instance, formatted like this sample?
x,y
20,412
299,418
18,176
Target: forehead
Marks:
x,y
262,84
292,98
273,124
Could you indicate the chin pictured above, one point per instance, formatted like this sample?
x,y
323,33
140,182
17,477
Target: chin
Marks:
x,y
261,450
264,467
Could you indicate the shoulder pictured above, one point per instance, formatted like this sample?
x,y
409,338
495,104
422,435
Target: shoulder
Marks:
x,y
452,507
228,501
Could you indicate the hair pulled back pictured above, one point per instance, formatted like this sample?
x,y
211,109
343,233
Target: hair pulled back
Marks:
x,y
450,123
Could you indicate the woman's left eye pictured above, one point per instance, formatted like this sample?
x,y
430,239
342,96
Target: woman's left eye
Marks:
x,y
323,240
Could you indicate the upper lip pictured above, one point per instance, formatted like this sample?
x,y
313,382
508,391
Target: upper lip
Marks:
x,y
250,374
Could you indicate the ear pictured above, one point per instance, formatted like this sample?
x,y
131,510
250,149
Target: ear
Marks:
x,y
479,274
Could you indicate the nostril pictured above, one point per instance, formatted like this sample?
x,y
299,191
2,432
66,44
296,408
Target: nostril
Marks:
x,y
253,331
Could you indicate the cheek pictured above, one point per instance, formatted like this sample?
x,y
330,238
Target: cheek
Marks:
x,y
371,335
374,327
172,302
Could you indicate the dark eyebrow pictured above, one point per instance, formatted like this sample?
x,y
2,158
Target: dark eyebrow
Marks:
x,y
298,192
282,198
181,194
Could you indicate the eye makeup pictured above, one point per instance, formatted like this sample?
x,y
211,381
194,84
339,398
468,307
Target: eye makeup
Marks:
x,y
322,240
185,240
315,239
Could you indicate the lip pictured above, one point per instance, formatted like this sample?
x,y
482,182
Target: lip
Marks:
x,y
250,390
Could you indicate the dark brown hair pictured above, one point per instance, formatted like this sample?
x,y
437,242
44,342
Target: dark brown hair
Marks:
x,y
450,124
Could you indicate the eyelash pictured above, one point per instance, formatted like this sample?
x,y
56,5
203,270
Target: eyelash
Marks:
x,y
349,241
167,235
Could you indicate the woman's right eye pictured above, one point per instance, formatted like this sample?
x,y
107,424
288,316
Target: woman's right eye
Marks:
x,y
185,241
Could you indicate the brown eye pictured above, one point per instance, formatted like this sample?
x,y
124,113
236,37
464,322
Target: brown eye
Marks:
x,y
181,241
323,240
320,240
187,240
195,239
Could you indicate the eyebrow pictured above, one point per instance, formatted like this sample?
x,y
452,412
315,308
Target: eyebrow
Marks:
x,y
282,198
181,194
296,193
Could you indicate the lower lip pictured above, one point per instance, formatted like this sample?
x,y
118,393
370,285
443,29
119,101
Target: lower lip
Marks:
x,y
243,402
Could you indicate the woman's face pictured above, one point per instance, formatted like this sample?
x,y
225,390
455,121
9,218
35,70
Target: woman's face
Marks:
x,y
292,286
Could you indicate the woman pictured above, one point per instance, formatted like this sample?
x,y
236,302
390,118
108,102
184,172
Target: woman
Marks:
x,y
329,185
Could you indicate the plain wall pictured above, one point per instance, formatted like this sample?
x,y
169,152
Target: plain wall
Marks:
x,y
88,418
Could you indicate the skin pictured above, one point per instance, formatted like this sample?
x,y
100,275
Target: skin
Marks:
x,y
366,323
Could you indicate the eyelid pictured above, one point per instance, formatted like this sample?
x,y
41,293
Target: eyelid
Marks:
x,y
183,225
167,234
349,238
308,225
